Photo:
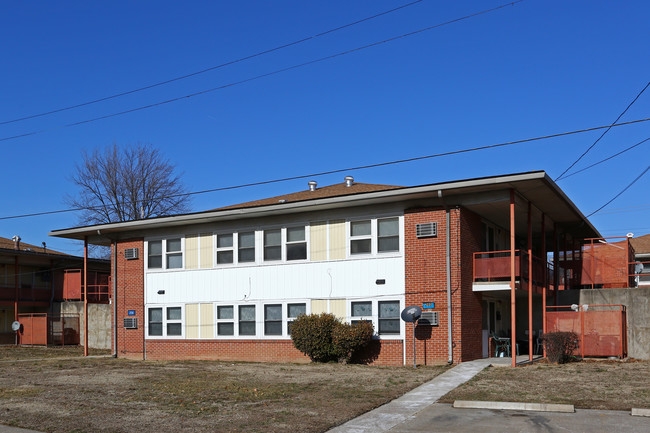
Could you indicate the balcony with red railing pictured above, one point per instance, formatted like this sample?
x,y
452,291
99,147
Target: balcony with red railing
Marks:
x,y
98,286
492,271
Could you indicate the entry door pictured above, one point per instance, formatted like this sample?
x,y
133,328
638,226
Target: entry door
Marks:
x,y
489,324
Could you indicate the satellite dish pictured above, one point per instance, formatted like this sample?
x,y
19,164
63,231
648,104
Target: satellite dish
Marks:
x,y
411,314
630,235
15,326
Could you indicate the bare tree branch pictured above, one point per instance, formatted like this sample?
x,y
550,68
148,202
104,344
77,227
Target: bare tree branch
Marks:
x,y
125,184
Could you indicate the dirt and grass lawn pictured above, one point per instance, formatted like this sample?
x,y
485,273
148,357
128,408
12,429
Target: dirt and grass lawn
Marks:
x,y
588,384
116,395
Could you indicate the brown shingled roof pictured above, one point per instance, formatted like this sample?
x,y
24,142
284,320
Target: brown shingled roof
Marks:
x,y
8,244
641,244
339,189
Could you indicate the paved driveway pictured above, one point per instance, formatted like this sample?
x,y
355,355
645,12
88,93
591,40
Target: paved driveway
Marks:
x,y
444,418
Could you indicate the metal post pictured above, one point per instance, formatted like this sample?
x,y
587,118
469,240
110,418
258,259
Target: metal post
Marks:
x,y
414,345
544,290
85,295
530,283
513,321
16,275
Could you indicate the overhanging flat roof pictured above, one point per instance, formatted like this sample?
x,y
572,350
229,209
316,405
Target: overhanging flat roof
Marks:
x,y
486,196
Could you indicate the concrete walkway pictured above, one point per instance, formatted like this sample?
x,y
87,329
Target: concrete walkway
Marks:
x,y
384,418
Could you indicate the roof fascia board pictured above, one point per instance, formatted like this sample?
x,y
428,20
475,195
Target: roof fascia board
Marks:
x,y
362,199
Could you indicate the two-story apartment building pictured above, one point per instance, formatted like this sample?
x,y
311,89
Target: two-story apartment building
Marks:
x,y
227,283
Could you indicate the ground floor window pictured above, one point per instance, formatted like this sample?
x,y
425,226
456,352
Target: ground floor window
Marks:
x,y
165,321
384,315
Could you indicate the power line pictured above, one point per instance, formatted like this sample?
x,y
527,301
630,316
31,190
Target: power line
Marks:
x,y
607,159
603,134
212,68
624,189
268,74
361,167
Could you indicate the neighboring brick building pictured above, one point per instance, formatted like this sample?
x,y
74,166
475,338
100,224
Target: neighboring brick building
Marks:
x,y
226,284
37,279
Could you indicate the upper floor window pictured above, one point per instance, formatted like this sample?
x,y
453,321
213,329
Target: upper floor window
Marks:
x,y
174,254
167,252
225,250
272,245
246,247
360,237
374,236
387,235
296,243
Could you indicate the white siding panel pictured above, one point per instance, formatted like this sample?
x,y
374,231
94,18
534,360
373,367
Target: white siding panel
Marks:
x,y
349,278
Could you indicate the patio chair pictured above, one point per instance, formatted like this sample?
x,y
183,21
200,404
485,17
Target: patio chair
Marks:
x,y
501,345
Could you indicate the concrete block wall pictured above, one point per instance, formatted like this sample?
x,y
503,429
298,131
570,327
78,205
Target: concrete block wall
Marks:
x,y
99,322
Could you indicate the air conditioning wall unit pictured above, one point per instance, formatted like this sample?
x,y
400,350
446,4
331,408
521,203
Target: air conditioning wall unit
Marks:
x,y
426,230
130,323
131,253
428,318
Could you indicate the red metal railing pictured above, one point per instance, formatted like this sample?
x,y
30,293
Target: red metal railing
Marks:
x,y
607,264
494,266
602,329
98,286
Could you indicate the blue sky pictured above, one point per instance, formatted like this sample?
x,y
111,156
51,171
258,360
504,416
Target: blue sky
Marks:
x,y
527,70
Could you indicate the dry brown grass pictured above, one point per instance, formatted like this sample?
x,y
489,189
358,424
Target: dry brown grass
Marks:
x,y
116,395
596,384
40,352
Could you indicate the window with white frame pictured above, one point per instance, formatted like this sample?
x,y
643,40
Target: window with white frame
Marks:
x,y
361,311
389,317
174,253
225,320
155,322
247,320
360,237
296,246
387,235
273,319
165,321
293,311
384,315
272,245
246,247
374,236
165,254
154,260
225,249
174,321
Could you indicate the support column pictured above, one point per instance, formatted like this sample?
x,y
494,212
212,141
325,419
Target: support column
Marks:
x,y
530,283
556,263
16,275
545,282
85,295
513,321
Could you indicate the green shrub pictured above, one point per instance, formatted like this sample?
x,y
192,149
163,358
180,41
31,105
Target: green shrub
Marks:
x,y
348,338
312,335
560,345
323,338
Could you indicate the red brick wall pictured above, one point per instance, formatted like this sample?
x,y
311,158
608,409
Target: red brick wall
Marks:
x,y
426,281
130,296
380,353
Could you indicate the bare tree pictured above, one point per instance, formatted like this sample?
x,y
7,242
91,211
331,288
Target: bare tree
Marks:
x,y
125,184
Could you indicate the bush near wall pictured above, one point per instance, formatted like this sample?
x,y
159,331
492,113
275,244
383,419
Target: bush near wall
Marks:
x,y
324,338
560,346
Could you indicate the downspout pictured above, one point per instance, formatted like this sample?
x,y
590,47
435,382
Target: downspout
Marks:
x,y
450,344
114,298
